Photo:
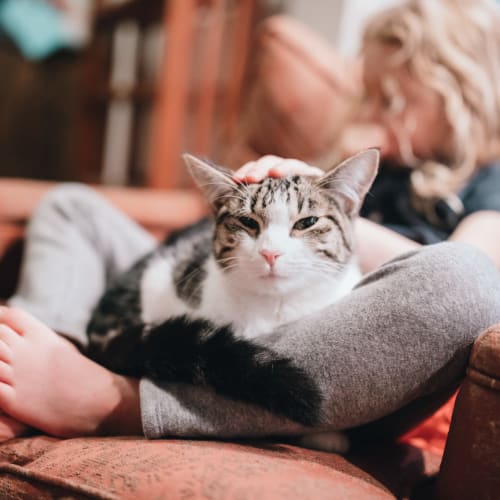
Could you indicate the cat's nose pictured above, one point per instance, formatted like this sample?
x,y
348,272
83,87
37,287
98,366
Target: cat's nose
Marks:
x,y
270,256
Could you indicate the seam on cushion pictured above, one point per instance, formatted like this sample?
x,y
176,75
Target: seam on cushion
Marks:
x,y
483,379
45,479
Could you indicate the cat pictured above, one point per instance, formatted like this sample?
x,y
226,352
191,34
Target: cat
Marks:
x,y
192,310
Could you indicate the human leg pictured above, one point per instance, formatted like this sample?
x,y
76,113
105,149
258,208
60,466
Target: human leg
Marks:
x,y
46,383
75,243
403,334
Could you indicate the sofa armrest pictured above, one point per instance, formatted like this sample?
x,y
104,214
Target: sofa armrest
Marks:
x,y
155,209
471,461
159,211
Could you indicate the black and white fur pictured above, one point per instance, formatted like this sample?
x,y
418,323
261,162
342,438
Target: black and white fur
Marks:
x,y
192,310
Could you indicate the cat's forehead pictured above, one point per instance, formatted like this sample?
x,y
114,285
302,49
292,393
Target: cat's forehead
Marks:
x,y
295,193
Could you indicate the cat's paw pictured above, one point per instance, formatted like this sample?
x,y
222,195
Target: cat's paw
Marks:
x,y
330,441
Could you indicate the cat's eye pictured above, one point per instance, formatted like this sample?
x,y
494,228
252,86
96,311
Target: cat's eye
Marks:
x,y
249,223
305,223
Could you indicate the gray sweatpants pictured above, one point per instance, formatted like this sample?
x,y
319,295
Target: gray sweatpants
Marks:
x,y
400,340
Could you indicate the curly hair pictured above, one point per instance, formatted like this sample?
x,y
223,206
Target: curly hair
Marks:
x,y
452,47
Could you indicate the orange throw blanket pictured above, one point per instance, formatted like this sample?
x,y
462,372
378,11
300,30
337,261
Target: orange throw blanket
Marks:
x,y
431,434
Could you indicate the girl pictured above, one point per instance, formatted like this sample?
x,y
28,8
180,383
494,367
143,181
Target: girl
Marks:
x,y
432,104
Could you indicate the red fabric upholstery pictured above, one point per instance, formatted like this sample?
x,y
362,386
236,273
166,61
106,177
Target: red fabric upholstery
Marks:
x,y
130,468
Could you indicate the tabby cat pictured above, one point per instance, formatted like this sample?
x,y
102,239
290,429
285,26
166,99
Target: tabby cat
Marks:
x,y
193,309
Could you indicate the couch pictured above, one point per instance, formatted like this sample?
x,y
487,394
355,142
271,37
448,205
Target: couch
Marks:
x,y
40,466
282,121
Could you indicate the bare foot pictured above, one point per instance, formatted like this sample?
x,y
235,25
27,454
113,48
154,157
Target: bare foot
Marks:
x,y
10,428
47,384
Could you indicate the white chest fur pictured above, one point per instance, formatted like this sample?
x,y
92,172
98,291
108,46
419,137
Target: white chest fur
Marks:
x,y
254,314
224,302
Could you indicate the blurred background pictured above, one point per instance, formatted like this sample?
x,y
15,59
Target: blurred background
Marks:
x,y
113,91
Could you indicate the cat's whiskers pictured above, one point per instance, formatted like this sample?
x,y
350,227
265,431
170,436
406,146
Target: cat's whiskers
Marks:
x,y
243,195
223,260
188,276
333,267
226,196
230,267
241,199
195,291
319,267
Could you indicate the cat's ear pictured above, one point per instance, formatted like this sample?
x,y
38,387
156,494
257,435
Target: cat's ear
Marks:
x,y
214,181
350,180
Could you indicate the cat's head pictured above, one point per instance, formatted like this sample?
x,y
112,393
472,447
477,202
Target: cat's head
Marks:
x,y
281,234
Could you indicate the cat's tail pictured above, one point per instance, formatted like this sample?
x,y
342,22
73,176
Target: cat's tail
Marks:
x,y
197,352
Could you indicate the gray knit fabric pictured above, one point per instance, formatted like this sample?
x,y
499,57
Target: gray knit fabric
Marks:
x,y
403,334
75,243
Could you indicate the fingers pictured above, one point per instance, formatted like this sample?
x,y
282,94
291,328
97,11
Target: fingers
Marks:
x,y
255,171
294,167
274,166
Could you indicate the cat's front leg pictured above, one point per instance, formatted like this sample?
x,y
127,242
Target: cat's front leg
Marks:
x,y
330,441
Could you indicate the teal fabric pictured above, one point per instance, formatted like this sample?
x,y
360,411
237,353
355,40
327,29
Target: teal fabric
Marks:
x,y
35,26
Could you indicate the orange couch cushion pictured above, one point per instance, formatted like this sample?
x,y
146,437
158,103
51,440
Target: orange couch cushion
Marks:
x,y
133,468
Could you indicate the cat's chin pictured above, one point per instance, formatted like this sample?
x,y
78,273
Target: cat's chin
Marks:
x,y
276,285
272,277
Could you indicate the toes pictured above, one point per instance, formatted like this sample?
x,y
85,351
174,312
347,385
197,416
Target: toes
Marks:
x,y
18,320
7,335
7,396
5,352
11,428
6,375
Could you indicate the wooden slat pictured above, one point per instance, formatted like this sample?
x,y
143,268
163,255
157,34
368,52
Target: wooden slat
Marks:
x,y
210,59
154,209
158,211
169,113
240,47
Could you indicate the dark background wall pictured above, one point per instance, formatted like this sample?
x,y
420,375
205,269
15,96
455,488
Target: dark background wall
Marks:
x,y
37,109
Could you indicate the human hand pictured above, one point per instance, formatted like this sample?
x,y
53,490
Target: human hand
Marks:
x,y
273,166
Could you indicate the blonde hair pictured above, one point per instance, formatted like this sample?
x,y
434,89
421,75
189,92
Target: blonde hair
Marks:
x,y
452,47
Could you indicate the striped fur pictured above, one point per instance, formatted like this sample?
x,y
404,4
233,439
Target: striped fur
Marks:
x,y
330,239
